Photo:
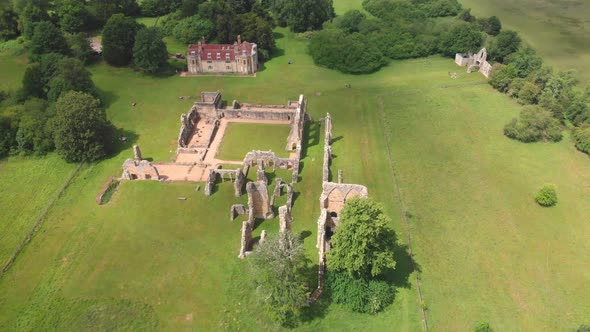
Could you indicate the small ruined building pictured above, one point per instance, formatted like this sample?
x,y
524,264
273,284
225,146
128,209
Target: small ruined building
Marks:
x,y
475,62
240,58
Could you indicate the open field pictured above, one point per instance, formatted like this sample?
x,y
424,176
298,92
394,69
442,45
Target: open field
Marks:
x,y
241,138
28,185
559,30
485,249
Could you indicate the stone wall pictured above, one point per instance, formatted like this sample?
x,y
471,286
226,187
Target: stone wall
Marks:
x,y
258,200
139,170
297,125
236,176
473,61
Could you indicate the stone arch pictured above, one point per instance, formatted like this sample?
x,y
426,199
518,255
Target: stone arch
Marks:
x,y
352,193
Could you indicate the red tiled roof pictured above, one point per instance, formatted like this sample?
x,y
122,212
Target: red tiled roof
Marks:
x,y
220,51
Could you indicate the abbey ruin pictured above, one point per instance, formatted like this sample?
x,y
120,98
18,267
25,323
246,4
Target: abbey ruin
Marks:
x,y
475,62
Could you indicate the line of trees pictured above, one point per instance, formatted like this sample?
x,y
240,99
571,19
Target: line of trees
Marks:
x,y
399,29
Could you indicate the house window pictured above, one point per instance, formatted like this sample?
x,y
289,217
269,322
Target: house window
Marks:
x,y
209,61
227,56
193,53
208,55
228,67
228,62
194,62
210,67
218,55
244,61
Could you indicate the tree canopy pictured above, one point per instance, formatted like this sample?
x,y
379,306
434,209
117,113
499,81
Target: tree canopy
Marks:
x,y
118,38
47,39
149,51
363,243
80,127
277,267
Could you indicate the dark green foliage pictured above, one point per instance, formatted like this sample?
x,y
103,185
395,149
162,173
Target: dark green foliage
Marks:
x,y
465,15
29,13
491,25
302,15
190,7
502,77
364,243
256,29
80,47
483,327
581,138
440,8
350,21
534,124
80,127
505,43
71,75
524,61
149,52
102,10
191,29
33,134
72,15
583,328
529,93
33,84
8,21
577,110
109,192
462,37
47,39
118,38
348,53
546,196
241,6
277,268
359,294
7,134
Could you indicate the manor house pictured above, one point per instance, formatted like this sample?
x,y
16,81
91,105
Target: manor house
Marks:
x,y
240,58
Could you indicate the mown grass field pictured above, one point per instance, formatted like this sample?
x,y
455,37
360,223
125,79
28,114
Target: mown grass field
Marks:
x,y
486,251
559,30
241,138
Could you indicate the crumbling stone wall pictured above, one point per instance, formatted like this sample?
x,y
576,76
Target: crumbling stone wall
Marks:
x,y
246,241
139,170
297,125
258,200
285,219
236,210
472,61
236,176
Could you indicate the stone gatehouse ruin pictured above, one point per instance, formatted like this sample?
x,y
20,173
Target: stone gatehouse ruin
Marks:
x,y
475,62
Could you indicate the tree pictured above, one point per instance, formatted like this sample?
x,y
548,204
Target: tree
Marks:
x,y
33,134
29,13
547,196
277,267
483,327
8,21
71,75
350,21
191,29
490,25
506,42
149,51
33,84
118,38
47,39
80,127
534,124
348,53
363,243
80,47
524,61
72,15
302,15
462,37
256,29
529,93
502,77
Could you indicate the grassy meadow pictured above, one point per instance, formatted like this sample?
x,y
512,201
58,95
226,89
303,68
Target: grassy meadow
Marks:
x,y
241,138
146,260
558,30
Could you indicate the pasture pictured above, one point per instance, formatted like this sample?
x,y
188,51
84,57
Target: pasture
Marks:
x,y
484,249
558,30
241,138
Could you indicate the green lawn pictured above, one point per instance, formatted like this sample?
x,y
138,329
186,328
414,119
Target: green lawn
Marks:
x,y
28,185
241,138
486,251
559,30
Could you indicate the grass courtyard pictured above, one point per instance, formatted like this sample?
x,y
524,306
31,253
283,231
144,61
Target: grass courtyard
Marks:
x,y
241,138
147,260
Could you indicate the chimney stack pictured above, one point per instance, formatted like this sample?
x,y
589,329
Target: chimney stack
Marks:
x,y
239,39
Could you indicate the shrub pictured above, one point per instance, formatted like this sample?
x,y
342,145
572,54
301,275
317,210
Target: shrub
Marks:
x,y
360,294
535,124
483,327
582,138
546,196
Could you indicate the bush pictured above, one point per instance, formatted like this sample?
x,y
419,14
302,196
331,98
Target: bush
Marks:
x,y
582,138
535,124
360,294
483,327
546,196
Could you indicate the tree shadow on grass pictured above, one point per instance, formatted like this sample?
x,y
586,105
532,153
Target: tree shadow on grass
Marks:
x,y
121,140
107,98
404,267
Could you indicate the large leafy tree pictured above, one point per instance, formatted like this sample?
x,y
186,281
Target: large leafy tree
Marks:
x,y
305,15
71,75
118,38
462,37
72,15
277,267
47,39
80,47
8,20
363,244
149,51
80,127
192,29
506,42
